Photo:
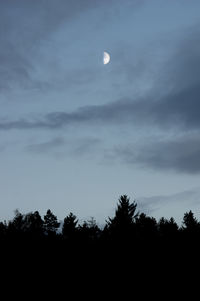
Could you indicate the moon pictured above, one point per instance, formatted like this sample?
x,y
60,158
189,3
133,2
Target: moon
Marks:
x,y
106,58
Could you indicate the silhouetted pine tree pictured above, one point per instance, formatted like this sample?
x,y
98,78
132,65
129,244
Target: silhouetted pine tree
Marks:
x,y
69,229
16,226
121,226
51,223
89,231
146,227
191,226
189,221
33,224
167,228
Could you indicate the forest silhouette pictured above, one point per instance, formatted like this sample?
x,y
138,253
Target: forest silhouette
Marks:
x,y
128,228
130,243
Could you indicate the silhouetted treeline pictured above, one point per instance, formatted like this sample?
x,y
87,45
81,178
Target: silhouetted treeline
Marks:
x,y
130,243
128,226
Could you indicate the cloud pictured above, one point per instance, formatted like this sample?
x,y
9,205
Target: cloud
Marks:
x,y
74,147
46,146
180,154
118,112
171,107
171,111
85,146
172,103
26,25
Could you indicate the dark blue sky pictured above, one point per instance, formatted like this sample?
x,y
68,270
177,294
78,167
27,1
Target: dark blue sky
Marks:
x,y
76,134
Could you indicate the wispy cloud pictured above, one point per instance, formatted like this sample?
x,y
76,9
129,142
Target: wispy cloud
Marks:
x,y
171,107
47,146
172,103
77,147
25,26
179,154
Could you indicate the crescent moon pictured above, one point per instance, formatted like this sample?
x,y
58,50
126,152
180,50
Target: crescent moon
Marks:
x,y
106,58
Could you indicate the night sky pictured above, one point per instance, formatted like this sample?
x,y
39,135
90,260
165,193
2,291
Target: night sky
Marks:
x,y
75,134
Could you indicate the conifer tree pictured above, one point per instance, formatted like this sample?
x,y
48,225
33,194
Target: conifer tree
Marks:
x,y
69,228
51,223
